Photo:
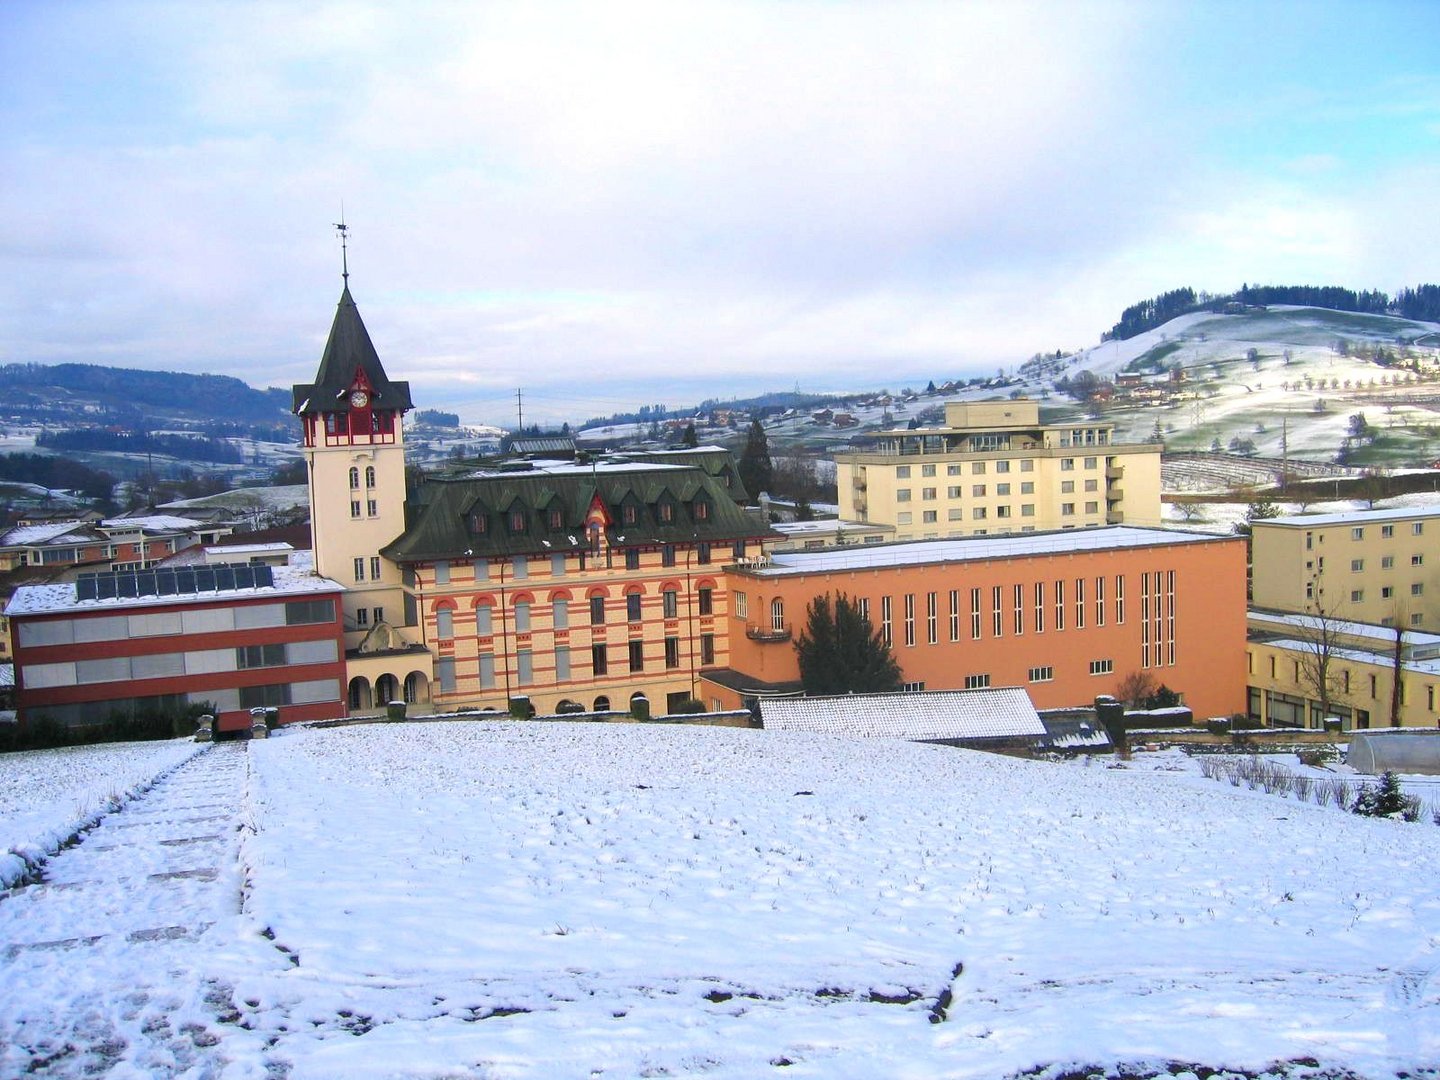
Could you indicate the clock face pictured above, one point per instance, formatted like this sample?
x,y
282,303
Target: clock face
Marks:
x,y
359,399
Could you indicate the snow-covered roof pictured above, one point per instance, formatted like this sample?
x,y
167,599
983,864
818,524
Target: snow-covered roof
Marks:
x,y
249,549
152,523
973,549
29,535
941,714
1354,517
1357,656
62,597
1415,641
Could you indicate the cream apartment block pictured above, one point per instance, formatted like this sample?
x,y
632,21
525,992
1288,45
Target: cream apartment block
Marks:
x,y
1369,566
995,468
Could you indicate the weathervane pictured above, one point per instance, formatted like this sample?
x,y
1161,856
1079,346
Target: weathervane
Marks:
x,y
344,232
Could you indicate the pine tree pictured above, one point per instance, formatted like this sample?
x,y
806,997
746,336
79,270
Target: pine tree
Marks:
x,y
840,653
689,438
757,472
1385,799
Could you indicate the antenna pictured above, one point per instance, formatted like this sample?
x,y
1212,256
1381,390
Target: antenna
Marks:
x,y
520,411
344,232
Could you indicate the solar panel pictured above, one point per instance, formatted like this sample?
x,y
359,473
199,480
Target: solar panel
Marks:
x,y
264,577
125,585
165,584
144,582
205,579
224,577
85,588
105,587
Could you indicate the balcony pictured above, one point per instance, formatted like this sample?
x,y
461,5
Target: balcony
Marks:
x,y
1114,517
766,636
1114,493
1115,472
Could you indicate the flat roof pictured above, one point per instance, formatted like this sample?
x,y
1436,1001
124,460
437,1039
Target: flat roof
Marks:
x,y
976,549
1352,517
1002,712
1294,621
62,597
828,526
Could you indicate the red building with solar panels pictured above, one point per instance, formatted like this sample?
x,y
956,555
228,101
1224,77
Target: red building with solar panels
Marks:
x,y
234,637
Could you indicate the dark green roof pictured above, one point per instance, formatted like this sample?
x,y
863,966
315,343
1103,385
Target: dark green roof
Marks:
x,y
445,509
717,461
348,348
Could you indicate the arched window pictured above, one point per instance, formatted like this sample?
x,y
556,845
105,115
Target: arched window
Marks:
x,y
602,704
369,476
354,478
777,614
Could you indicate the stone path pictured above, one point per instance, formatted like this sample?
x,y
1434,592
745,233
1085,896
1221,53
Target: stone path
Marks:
x,y
146,901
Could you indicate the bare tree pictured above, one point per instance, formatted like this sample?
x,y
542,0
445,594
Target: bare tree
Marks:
x,y
1134,688
1319,639
1397,672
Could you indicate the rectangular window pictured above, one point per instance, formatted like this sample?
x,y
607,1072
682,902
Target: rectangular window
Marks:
x,y
354,508
977,682
1018,595
362,617
672,652
1002,489
1357,595
975,614
977,468
707,648
706,600
359,569
632,558
1042,674
1417,589
1079,603
372,508
902,472
1092,485
1119,599
562,663
928,517
1067,464
524,667
1357,565
1059,605
702,553
1099,601
487,671
978,513
522,616
597,611
1417,560
557,565
482,570
520,568
909,619
560,614
483,627
927,470
444,624
885,620
632,607
667,555
445,674
1067,509
954,614
637,656
1357,533
997,615
1039,607
932,618
953,470
1387,591
902,495
1092,508
977,490
670,604
1417,528
1387,562
1067,487
1002,466
927,493
742,605
599,662
1102,667
1387,531
251,656
1090,462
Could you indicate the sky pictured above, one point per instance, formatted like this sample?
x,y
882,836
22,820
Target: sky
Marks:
x,y
607,205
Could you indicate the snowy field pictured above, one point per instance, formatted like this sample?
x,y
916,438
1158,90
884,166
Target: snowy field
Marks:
x,y
46,796
472,899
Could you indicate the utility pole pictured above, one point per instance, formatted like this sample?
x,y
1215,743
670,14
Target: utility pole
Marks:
x,y
519,411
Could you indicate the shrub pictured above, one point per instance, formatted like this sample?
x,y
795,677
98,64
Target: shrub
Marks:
x,y
688,707
1384,799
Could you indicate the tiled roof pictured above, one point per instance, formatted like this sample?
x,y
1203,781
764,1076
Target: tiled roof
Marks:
x,y
942,714
976,548
441,528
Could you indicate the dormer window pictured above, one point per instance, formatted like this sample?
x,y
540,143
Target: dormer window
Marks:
x,y
479,522
702,510
555,519
627,514
665,512
517,521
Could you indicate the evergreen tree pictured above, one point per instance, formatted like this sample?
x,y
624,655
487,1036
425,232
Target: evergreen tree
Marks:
x,y
689,438
757,472
840,653
1383,800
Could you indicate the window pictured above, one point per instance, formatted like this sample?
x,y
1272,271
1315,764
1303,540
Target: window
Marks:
x,y
928,517
524,667
442,572
954,614
1387,562
672,652
555,519
354,508
702,553
354,479
953,491
912,687
1067,487
707,648
979,513
1357,595
977,468
742,605
483,623
1027,465
370,476
670,604
927,493
904,517
1092,485
885,620
1027,487
359,569
1417,589
1090,462
1002,489
1067,464
1002,466
557,565
632,607
562,663
706,598
520,568
517,521
702,510
902,495
372,508
1102,667
1099,601
1042,674
977,682
444,624
1079,603
522,616
927,470
1119,598
597,610
665,512
777,614
1417,528
1059,605
1027,509
977,490
1386,592
932,628
1417,560
599,662
627,514
667,555
955,513
902,472
1092,508
909,618
1387,531
632,558
975,614
637,656
257,656
997,617
1039,607
362,617
1067,509
1357,533
1357,565
560,614
1018,595
953,470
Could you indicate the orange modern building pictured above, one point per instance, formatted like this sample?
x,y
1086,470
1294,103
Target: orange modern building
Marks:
x,y
1065,615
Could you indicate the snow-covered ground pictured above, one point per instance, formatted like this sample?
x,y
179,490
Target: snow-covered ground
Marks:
x,y
503,899
46,796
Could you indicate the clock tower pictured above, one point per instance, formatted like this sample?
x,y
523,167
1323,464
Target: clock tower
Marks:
x,y
355,453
